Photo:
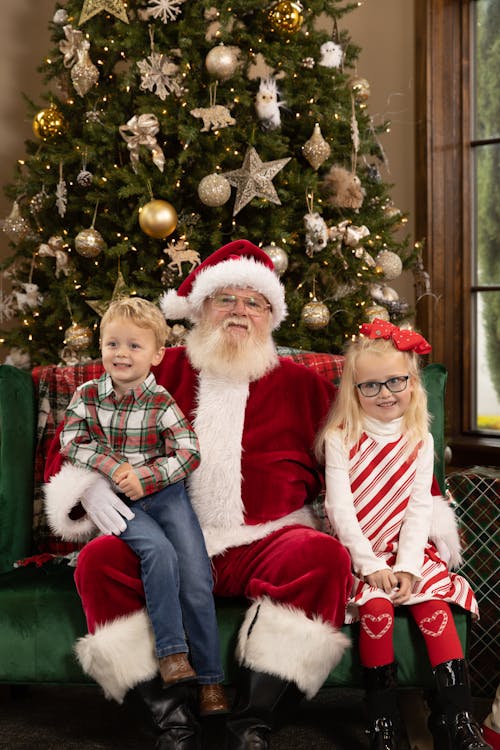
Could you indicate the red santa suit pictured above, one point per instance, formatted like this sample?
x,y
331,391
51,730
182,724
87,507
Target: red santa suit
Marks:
x,y
252,493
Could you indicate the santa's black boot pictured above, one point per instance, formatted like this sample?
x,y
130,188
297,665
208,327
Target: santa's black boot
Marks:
x,y
262,703
451,722
169,713
382,706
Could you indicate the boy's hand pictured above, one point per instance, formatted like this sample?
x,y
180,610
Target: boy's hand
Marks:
x,y
129,483
404,585
123,469
383,579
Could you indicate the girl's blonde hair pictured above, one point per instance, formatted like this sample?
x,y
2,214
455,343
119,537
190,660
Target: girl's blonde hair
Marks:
x,y
346,414
141,313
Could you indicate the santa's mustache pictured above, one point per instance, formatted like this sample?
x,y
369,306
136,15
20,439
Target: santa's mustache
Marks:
x,y
235,320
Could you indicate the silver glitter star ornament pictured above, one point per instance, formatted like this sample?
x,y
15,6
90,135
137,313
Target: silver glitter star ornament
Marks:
x,y
254,179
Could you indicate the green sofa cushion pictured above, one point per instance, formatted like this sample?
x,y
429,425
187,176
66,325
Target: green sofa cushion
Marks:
x,y
41,617
17,450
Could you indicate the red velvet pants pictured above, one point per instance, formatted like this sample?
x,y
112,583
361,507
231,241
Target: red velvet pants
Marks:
x,y
296,565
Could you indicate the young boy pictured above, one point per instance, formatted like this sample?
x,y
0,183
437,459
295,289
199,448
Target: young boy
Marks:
x,y
130,430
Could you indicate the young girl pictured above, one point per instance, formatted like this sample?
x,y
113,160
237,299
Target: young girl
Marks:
x,y
379,465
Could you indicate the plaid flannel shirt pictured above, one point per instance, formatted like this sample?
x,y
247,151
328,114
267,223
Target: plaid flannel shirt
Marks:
x,y
145,428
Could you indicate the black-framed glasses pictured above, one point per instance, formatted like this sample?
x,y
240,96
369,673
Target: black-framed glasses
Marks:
x,y
227,302
372,388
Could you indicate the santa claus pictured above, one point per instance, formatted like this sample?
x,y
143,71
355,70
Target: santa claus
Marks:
x,y
256,416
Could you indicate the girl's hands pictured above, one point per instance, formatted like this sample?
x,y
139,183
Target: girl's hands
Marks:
x,y
382,579
404,586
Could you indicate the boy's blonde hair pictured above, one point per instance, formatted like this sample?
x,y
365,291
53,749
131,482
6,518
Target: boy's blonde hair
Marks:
x,y
346,414
141,313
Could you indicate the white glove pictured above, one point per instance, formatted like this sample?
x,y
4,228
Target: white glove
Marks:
x,y
105,508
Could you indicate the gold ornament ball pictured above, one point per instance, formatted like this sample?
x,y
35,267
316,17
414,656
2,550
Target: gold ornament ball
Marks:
x,y
361,89
49,123
222,62
376,311
285,17
158,219
214,190
390,264
278,256
315,315
78,337
89,243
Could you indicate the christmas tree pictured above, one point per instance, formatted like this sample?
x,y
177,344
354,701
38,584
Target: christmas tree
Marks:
x,y
170,127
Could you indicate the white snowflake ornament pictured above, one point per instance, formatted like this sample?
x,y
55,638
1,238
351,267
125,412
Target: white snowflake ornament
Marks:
x,y
160,75
167,10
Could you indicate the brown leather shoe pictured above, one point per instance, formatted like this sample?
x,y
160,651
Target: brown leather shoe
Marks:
x,y
176,668
213,700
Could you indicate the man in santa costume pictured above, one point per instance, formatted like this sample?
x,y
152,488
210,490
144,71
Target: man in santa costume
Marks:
x,y
256,416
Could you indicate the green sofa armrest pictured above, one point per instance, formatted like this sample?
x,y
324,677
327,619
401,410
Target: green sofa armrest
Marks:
x,y
17,455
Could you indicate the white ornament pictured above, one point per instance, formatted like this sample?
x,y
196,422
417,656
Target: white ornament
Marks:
x,y
60,16
316,233
332,55
54,248
61,194
267,104
382,293
180,253
214,118
29,298
222,62
214,190
7,306
279,258
167,10
160,75
390,263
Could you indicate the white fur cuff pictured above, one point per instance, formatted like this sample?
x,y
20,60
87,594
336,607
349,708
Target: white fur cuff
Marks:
x,y
62,494
120,654
283,641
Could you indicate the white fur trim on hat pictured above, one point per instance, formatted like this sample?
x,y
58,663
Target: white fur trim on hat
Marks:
x,y
120,654
281,640
239,272
62,494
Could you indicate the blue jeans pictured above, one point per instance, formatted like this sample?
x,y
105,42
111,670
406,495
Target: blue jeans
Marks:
x,y
177,578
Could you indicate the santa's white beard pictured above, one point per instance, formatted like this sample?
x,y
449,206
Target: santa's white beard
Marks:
x,y
212,349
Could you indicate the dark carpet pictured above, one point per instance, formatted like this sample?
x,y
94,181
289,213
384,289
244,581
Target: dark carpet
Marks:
x,y
79,718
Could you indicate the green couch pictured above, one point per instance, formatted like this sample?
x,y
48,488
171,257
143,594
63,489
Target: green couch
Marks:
x,y
40,612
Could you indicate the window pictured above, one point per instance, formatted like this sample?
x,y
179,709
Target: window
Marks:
x,y
457,214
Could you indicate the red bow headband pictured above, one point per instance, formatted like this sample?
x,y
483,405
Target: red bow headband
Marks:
x,y
403,339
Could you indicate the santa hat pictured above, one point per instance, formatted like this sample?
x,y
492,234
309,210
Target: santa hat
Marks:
x,y
239,264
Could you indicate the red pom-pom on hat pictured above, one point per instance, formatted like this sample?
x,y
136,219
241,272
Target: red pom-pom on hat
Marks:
x,y
240,264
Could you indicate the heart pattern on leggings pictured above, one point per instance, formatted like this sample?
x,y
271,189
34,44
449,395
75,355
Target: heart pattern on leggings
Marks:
x,y
376,626
435,624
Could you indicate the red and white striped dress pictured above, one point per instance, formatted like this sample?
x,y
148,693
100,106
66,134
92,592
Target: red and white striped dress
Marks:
x,y
379,503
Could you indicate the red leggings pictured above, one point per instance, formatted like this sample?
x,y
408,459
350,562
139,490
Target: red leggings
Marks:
x,y
433,618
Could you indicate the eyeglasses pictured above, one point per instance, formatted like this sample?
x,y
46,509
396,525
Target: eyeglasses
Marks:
x,y
371,388
227,302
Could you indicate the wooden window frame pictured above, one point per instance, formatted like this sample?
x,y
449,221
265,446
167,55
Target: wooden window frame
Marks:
x,y
443,219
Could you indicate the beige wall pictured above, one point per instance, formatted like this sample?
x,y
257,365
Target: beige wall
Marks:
x,y
384,29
